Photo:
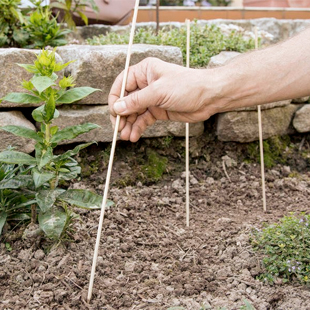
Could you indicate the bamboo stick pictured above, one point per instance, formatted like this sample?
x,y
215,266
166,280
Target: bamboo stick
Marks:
x,y
106,189
261,147
188,27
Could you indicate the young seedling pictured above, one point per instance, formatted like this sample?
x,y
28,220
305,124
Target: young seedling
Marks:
x,y
107,183
261,147
39,181
188,27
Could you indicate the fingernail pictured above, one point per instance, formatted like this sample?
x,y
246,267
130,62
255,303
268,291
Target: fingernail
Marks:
x,y
119,107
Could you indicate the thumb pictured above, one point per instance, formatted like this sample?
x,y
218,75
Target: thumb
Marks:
x,y
136,102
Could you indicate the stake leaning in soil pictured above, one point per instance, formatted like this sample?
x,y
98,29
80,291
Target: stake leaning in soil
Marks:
x,y
261,147
107,183
188,27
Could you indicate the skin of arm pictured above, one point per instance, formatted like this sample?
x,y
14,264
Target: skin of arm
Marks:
x,y
157,90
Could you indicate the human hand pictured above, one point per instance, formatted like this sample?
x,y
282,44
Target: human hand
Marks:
x,y
157,90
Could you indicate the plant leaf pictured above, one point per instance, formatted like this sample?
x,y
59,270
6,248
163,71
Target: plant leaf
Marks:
x,y
22,98
72,152
46,198
22,132
83,199
41,83
44,158
39,178
19,181
19,158
71,132
3,217
76,94
53,222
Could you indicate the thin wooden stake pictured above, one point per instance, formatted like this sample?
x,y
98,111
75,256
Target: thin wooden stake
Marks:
x,y
107,183
261,146
188,27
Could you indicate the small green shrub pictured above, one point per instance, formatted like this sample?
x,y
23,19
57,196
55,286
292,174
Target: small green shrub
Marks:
x,y
206,41
11,21
46,170
286,249
43,29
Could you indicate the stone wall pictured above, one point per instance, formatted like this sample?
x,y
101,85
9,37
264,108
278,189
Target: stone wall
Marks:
x,y
97,66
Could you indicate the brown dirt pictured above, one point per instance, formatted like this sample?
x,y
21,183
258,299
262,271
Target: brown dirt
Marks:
x,y
148,258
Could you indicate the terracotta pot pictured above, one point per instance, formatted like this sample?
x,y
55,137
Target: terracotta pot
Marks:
x,y
299,3
266,3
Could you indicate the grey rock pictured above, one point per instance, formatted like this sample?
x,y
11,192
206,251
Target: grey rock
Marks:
x,y
8,139
300,100
98,66
221,59
301,121
100,115
243,126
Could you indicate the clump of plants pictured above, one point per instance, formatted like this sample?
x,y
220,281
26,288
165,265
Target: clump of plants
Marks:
x,y
286,249
29,185
31,28
206,41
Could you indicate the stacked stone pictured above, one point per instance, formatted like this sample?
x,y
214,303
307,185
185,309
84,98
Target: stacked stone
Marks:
x,y
95,66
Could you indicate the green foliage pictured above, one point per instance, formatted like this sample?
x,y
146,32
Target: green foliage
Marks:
x,y
14,204
11,20
31,28
286,249
155,167
40,179
275,149
206,41
43,29
69,8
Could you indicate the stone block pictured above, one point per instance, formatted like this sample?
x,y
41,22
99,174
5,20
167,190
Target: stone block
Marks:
x,y
79,114
98,66
8,139
243,126
301,121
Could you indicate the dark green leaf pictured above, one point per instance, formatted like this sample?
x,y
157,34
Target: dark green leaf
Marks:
x,y
40,178
22,132
45,158
3,216
22,98
71,132
83,199
75,94
19,158
53,222
49,109
46,198
20,217
19,181
72,152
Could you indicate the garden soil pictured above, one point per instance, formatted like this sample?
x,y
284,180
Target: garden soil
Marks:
x,y
148,258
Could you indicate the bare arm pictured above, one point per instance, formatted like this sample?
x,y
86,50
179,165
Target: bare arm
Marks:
x,y
161,91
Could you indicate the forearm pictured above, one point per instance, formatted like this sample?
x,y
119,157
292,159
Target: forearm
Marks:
x,y
276,73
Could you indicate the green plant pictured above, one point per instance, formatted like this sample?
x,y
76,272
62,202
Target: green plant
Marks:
x,y
206,41
14,204
12,34
69,8
43,29
286,249
46,169
219,2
